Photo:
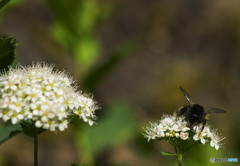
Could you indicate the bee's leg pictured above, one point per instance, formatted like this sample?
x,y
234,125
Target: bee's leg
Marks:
x,y
203,126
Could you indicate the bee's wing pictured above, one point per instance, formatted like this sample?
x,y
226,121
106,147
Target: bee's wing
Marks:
x,y
186,95
214,110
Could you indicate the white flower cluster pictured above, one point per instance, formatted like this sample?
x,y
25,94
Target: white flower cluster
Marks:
x,y
168,127
173,127
46,97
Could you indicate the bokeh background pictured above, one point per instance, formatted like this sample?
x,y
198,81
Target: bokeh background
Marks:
x,y
132,55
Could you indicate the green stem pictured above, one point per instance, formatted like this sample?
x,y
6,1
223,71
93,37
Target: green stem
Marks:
x,y
36,149
180,159
179,152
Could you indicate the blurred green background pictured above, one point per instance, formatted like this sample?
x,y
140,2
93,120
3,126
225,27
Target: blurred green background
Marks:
x,y
132,55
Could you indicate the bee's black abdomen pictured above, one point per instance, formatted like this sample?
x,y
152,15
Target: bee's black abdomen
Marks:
x,y
197,114
194,114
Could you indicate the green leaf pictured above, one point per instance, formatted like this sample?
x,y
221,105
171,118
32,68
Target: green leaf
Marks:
x,y
74,165
3,3
8,130
7,51
74,28
75,23
169,154
115,128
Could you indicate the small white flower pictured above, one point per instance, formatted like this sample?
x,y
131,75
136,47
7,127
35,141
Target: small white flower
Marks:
x,y
162,128
214,143
195,137
161,134
63,125
168,121
184,135
14,120
216,140
203,141
176,127
177,135
200,137
151,132
44,119
38,124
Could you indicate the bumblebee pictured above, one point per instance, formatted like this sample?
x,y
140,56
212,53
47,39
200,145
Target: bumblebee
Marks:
x,y
196,114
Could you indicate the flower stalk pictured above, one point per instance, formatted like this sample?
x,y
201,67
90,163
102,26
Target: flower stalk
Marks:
x,y
36,150
179,159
